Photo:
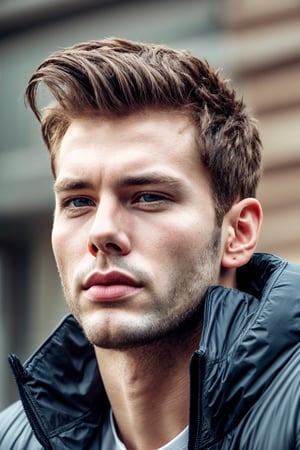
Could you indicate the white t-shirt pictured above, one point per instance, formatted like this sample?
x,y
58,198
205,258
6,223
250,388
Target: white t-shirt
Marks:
x,y
111,441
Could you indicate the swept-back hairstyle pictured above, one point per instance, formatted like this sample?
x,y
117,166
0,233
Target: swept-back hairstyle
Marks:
x,y
118,77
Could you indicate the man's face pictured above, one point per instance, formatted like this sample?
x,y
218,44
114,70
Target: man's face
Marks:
x,y
134,232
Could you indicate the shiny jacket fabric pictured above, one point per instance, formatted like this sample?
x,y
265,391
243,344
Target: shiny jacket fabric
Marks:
x,y
245,375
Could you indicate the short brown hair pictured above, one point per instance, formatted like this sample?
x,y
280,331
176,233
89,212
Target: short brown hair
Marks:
x,y
118,76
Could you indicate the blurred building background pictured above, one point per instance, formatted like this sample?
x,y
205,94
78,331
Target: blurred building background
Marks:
x,y
257,42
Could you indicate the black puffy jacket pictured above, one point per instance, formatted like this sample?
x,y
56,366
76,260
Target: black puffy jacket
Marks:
x,y
245,376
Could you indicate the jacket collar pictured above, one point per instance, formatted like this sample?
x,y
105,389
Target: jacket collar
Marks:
x,y
61,388
248,335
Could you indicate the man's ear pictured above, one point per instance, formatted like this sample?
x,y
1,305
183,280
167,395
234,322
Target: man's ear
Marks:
x,y
241,228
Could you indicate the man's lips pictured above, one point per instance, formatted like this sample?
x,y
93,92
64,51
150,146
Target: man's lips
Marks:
x,y
110,286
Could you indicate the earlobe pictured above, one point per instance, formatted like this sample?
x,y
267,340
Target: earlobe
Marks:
x,y
241,231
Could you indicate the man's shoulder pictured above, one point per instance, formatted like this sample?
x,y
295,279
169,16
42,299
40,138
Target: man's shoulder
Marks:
x,y
15,430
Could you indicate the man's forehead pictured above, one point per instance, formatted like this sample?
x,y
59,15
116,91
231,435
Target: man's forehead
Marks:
x,y
153,135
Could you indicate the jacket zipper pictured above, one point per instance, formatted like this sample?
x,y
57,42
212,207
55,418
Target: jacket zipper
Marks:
x,y
196,413
20,377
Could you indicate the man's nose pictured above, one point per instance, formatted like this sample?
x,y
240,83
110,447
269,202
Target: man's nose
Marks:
x,y
108,231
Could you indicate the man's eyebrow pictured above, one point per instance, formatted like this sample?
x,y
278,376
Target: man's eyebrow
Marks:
x,y
150,178
71,184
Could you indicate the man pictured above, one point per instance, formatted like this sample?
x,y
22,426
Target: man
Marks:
x,y
181,337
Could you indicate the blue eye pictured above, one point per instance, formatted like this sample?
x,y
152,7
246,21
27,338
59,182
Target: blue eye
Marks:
x,y
81,202
148,198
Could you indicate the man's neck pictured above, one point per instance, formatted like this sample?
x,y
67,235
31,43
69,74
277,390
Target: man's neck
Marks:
x,y
148,388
